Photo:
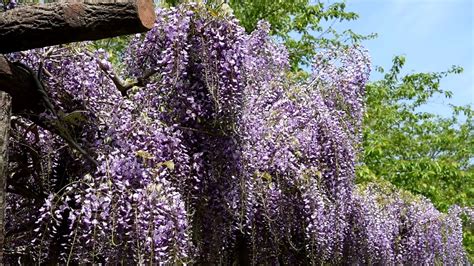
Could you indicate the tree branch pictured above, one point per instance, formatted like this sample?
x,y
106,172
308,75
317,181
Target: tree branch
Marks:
x,y
121,86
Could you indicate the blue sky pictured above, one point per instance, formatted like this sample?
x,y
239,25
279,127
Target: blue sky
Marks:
x,y
432,34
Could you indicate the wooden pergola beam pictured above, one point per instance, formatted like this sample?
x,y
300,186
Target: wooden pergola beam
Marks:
x,y
29,27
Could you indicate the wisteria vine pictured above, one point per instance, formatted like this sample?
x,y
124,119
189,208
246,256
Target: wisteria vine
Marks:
x,y
206,153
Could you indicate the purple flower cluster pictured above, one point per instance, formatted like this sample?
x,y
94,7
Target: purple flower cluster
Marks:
x,y
6,5
207,153
394,227
124,209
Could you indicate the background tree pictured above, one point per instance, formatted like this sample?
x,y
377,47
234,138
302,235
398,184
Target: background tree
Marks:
x,y
425,153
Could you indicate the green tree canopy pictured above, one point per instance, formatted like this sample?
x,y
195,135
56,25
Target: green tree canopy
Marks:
x,y
414,149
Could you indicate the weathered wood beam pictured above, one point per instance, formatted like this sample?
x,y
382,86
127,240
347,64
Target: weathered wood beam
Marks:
x,y
5,111
29,27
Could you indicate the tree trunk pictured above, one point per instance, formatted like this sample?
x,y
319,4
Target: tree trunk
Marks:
x,y
5,110
37,26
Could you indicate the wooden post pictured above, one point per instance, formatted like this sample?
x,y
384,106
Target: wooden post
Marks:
x,y
29,27
5,111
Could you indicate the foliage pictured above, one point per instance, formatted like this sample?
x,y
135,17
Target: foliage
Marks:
x,y
414,149
207,154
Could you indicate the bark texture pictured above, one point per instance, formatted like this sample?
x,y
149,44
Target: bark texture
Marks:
x,y
37,26
5,111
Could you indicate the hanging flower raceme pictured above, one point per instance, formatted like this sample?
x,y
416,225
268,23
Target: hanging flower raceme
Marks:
x,y
297,140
